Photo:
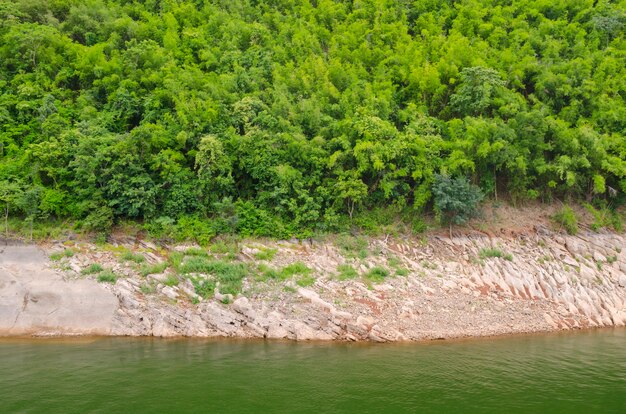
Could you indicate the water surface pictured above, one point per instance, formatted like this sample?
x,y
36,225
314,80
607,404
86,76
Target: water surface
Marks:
x,y
556,373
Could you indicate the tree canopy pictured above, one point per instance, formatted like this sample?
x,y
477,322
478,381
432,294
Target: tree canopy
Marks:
x,y
283,117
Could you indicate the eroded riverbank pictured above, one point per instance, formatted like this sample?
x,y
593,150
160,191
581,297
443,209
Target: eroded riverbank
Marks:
x,y
396,289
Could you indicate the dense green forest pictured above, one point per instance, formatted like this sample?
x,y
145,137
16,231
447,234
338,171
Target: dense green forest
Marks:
x,y
285,117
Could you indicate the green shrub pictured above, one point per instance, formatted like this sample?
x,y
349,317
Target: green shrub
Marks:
x,y
456,200
100,219
107,276
256,221
346,272
377,274
377,221
604,217
566,218
92,269
161,228
194,228
418,226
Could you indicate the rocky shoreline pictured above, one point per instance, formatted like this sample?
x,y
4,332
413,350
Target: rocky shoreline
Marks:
x,y
430,288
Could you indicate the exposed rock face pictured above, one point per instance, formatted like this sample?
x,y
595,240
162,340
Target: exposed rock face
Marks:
x,y
542,282
36,300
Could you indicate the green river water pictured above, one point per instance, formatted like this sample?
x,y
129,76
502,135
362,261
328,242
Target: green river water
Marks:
x,y
580,372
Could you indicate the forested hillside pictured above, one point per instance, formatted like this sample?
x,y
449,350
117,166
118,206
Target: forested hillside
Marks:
x,y
286,117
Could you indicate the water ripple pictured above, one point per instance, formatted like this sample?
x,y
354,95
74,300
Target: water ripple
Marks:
x,y
564,373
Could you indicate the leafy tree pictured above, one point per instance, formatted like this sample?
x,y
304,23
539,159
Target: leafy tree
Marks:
x,y
28,202
351,191
456,200
11,195
476,90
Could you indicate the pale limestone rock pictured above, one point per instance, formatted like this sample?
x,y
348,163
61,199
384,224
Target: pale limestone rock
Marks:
x,y
303,332
170,292
158,277
277,331
449,285
598,257
383,287
592,297
224,298
188,289
550,321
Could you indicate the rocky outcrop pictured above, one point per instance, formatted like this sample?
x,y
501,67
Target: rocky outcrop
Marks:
x,y
449,288
37,300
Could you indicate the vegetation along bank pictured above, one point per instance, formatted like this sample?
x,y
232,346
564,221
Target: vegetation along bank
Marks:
x,y
519,278
291,118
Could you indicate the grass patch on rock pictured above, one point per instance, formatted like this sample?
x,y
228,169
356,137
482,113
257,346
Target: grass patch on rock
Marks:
x,y
297,268
377,274
151,269
55,257
402,272
229,275
346,272
92,269
172,280
266,272
352,246
107,276
203,287
194,251
306,280
148,288
129,256
566,218
266,254
488,253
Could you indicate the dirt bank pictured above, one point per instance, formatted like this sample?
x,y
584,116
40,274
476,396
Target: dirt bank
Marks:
x,y
366,289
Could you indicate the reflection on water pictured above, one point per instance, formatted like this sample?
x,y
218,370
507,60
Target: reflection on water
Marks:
x,y
574,372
